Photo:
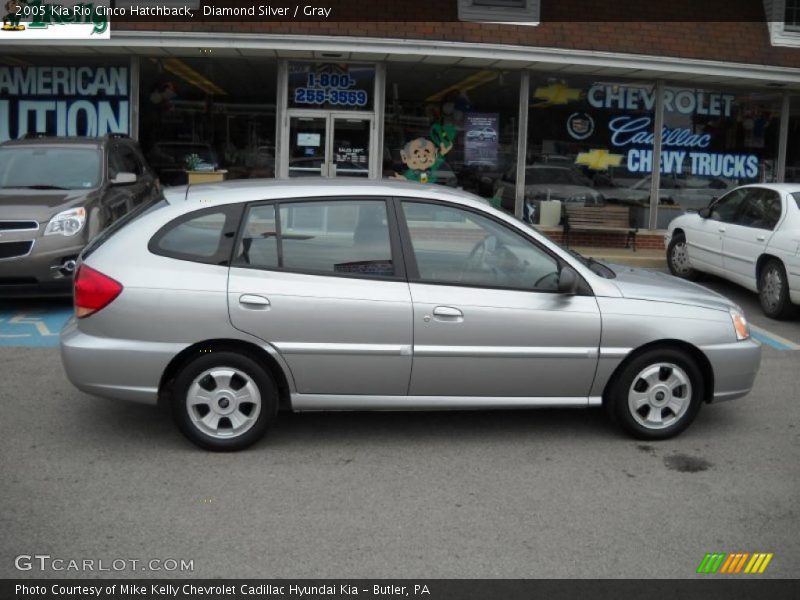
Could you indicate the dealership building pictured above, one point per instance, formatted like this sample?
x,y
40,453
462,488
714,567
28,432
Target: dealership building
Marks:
x,y
527,100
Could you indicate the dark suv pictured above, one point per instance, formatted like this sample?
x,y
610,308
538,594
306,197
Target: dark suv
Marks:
x,y
56,193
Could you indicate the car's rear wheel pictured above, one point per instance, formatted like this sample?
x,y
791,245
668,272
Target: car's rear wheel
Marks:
x,y
223,401
678,258
657,394
773,290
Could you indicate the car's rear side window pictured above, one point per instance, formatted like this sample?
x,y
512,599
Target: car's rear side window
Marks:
x,y
204,236
336,237
796,196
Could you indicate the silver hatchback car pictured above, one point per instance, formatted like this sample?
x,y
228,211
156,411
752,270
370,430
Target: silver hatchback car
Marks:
x,y
231,301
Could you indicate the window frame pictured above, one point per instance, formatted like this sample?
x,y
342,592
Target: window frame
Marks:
x,y
584,289
391,222
502,11
224,255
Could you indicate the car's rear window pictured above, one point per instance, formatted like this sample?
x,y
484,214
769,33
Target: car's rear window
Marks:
x,y
136,213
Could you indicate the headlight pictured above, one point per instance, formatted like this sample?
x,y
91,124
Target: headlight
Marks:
x,y
740,325
68,222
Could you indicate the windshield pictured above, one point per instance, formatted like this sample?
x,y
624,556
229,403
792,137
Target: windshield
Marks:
x,y
42,167
538,175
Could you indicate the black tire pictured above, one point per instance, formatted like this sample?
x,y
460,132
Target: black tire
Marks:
x,y
773,290
678,266
617,394
245,370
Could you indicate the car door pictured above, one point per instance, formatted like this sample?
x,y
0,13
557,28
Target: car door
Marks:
x,y
746,238
322,281
488,320
704,238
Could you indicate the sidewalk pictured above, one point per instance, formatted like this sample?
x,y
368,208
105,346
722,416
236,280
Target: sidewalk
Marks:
x,y
647,258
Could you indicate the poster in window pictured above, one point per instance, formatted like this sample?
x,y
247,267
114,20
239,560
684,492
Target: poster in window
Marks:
x,y
480,139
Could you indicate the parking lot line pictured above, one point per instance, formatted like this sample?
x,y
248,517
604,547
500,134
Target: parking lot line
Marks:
x,y
772,339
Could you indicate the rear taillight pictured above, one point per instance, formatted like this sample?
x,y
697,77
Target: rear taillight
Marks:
x,y
93,291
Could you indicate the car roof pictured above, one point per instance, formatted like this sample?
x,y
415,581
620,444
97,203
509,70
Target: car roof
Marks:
x,y
249,190
786,188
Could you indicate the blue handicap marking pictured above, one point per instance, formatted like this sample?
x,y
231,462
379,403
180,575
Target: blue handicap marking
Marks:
x,y
35,327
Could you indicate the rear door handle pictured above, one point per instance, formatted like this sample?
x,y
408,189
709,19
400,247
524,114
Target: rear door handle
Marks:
x,y
761,238
447,312
722,230
253,301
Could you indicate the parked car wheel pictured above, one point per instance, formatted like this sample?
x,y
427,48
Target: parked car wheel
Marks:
x,y
773,290
224,401
657,394
678,259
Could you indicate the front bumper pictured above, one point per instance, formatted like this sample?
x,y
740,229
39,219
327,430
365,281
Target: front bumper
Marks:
x,y
41,271
115,368
735,367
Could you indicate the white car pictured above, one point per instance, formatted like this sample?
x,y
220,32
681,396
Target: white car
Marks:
x,y
751,236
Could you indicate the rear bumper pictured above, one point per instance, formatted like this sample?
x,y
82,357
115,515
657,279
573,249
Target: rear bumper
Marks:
x,y
735,367
114,368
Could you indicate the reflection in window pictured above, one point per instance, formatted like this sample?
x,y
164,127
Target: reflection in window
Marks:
x,y
460,247
336,237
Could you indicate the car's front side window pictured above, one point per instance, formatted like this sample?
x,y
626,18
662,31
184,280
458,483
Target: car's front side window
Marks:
x,y
761,209
337,237
727,208
456,246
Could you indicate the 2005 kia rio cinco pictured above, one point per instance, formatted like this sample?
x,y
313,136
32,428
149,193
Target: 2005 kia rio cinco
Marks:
x,y
233,300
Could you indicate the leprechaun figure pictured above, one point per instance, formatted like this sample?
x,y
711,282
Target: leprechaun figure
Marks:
x,y
11,21
423,158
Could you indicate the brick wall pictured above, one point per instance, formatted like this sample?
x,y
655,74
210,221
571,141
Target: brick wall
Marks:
x,y
745,41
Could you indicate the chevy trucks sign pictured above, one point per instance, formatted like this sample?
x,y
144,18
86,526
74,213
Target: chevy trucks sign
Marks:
x,y
64,101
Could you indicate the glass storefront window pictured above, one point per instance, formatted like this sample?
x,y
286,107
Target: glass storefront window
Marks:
x,y
714,140
64,96
589,143
452,126
219,110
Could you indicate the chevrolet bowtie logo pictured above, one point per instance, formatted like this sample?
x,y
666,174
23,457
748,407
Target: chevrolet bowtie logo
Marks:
x,y
556,93
599,160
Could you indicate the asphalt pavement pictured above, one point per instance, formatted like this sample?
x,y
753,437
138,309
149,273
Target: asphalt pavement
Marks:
x,y
551,493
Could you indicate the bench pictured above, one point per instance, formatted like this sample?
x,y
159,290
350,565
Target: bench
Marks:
x,y
600,218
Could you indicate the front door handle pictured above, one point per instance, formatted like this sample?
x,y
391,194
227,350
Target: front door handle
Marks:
x,y
447,312
722,230
761,238
253,301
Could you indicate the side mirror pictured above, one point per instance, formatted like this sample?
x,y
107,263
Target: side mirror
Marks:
x,y
705,213
124,178
568,280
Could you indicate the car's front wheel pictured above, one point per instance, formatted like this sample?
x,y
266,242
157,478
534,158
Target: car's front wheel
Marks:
x,y
657,394
773,290
223,401
678,258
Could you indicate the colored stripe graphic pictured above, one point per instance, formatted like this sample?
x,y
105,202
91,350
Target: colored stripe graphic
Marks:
x,y
772,339
734,562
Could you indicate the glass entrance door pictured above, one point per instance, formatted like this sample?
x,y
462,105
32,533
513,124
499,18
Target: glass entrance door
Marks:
x,y
308,146
329,145
350,147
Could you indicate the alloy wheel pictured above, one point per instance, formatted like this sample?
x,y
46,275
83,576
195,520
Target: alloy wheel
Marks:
x,y
659,395
223,402
771,289
679,257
